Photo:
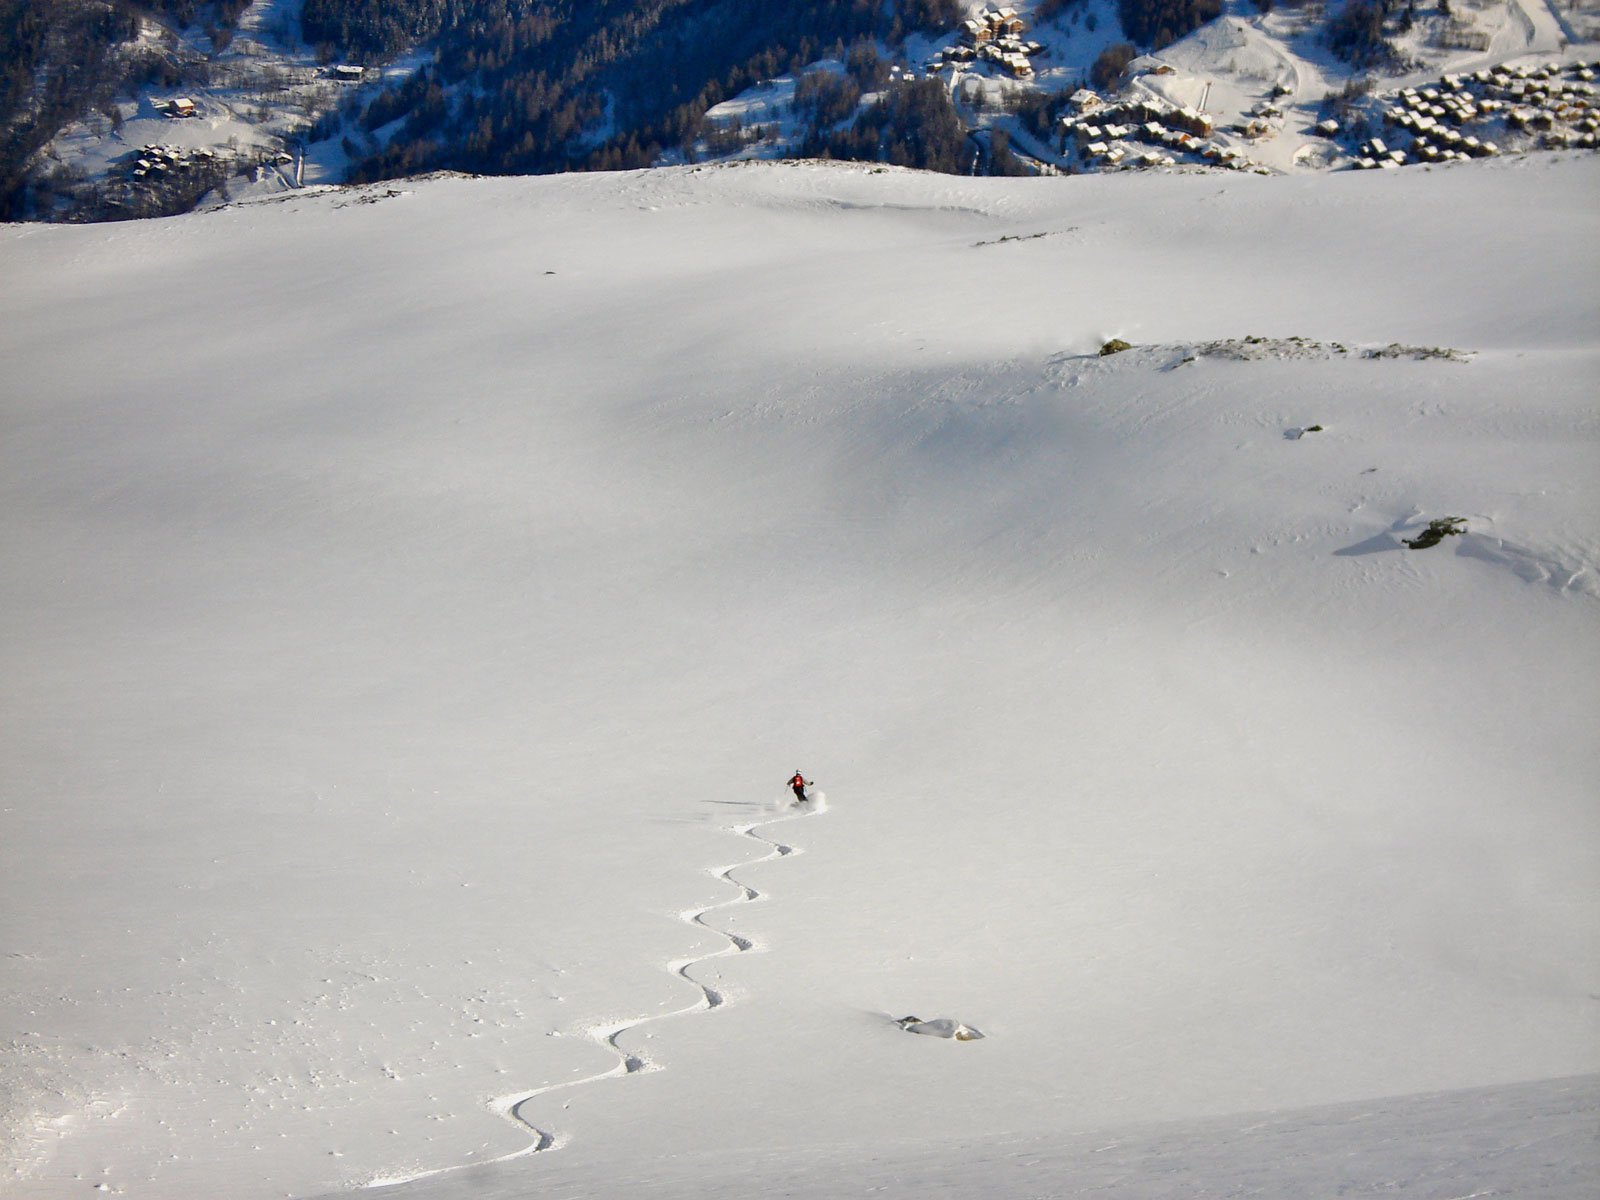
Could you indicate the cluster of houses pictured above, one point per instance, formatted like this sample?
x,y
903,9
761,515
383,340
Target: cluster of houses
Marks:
x,y
994,36
1377,153
158,163
1108,135
1548,107
1558,104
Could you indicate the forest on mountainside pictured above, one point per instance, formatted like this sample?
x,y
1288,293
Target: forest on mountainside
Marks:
x,y
533,86
513,86
1154,24
603,84
1358,32
910,124
613,84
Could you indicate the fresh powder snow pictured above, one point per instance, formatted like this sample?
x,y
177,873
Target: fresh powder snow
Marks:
x,y
416,596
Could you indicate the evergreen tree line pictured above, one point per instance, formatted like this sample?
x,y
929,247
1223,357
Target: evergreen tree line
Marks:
x,y
372,30
912,123
1356,33
604,84
1158,23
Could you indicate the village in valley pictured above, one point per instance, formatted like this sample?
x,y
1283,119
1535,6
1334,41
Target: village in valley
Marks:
x,y
1141,121
1253,92
1549,107
154,165
1257,89
243,123
1552,106
1104,132
994,36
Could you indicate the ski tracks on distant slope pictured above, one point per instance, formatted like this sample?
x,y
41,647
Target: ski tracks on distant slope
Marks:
x,y
633,1062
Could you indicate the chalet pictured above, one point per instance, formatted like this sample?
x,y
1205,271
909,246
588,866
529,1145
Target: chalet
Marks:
x,y
1018,65
1085,101
990,26
347,73
180,106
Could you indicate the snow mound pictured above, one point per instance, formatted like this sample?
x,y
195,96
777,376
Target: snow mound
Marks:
x,y
940,1027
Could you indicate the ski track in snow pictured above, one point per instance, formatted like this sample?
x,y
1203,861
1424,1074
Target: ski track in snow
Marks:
x,y
629,1062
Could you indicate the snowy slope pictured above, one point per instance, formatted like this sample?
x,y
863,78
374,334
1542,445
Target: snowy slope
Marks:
x,y
415,594
1527,1140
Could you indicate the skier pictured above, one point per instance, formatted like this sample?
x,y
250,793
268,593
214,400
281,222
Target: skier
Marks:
x,y
798,783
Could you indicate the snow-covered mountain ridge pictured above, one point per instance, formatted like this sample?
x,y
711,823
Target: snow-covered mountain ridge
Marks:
x,y
409,603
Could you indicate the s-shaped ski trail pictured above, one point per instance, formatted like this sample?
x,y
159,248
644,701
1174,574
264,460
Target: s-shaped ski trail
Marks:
x,y
630,1062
